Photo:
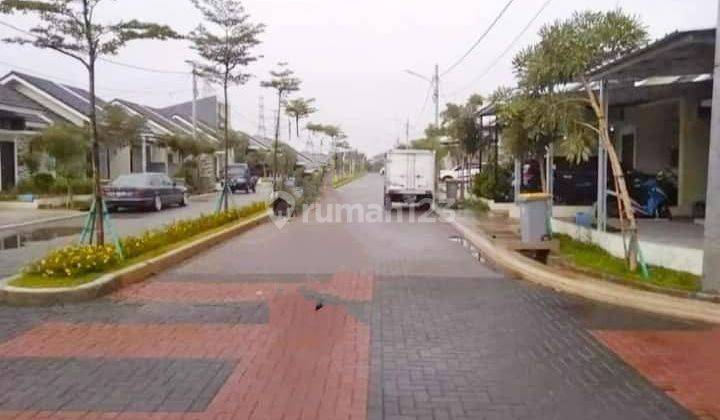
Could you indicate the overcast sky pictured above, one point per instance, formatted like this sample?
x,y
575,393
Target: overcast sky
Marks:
x,y
349,54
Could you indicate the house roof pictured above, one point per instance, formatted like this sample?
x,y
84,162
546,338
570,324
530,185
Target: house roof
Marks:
x,y
154,116
679,53
11,98
76,98
206,111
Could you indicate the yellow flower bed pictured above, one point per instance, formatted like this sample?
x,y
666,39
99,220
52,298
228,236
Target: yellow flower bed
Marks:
x,y
78,260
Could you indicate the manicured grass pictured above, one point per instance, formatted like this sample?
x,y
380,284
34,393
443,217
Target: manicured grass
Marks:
x,y
596,259
36,281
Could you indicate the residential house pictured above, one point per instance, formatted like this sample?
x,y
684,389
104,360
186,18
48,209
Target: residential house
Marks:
x,y
20,118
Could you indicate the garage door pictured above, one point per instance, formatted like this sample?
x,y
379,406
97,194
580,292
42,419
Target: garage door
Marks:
x,y
7,165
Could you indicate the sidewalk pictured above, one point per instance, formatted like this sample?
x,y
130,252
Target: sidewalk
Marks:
x,y
488,233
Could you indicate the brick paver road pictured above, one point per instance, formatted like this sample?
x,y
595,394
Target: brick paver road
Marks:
x,y
347,321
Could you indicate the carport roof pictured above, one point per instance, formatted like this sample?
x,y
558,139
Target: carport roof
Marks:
x,y
677,54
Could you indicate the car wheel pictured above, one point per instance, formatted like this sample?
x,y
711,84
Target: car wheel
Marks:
x,y
184,200
157,203
111,209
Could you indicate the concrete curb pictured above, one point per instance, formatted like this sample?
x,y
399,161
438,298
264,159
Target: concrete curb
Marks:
x,y
42,221
589,287
108,283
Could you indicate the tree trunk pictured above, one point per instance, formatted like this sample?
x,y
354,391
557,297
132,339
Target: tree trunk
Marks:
x,y
99,220
277,139
227,149
297,125
623,194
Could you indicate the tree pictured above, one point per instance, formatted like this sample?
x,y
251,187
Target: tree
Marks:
x,y
67,145
460,123
117,128
70,27
300,108
226,55
283,80
567,51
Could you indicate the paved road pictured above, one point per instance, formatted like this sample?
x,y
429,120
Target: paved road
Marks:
x,y
20,246
346,320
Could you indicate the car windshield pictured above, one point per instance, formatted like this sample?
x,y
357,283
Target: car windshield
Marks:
x,y
237,170
138,180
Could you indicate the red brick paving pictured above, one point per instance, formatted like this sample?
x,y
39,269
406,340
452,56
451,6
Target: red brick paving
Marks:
x,y
303,364
686,364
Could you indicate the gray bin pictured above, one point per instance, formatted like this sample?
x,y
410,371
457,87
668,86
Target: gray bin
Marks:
x,y
534,210
451,189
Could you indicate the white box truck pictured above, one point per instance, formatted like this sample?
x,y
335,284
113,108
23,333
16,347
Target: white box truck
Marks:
x,y
409,177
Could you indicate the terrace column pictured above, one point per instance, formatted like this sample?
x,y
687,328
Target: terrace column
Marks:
x,y
144,154
711,263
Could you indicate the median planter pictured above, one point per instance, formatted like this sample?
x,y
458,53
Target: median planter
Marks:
x,y
108,282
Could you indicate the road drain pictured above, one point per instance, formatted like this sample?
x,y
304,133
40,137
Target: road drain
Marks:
x,y
468,247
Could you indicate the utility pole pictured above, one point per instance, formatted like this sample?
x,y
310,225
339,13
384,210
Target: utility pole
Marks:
x,y
435,86
407,132
436,95
195,98
711,255
261,130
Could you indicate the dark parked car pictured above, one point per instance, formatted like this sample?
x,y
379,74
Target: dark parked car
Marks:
x,y
148,191
240,178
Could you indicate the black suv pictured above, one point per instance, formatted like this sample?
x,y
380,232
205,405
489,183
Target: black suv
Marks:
x,y
240,178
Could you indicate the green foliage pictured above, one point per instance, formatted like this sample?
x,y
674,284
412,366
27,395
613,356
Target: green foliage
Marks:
x,y
283,80
431,143
531,122
117,128
592,257
43,182
185,144
226,53
569,49
487,185
74,261
540,112
299,108
69,27
460,123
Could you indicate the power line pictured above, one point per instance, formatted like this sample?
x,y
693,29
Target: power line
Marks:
x,y
57,79
107,60
507,50
482,37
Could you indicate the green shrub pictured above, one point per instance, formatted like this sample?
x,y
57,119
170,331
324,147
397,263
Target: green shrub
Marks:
x,y
43,183
487,186
75,260
82,186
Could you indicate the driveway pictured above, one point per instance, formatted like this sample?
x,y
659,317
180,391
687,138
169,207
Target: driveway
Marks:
x,y
333,320
21,246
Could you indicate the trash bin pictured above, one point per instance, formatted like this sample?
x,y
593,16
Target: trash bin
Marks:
x,y
534,217
451,191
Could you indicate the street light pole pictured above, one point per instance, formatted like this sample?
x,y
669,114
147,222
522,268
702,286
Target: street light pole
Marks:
x,y
435,85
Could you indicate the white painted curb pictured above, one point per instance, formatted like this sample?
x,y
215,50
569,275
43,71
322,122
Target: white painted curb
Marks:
x,y
589,287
